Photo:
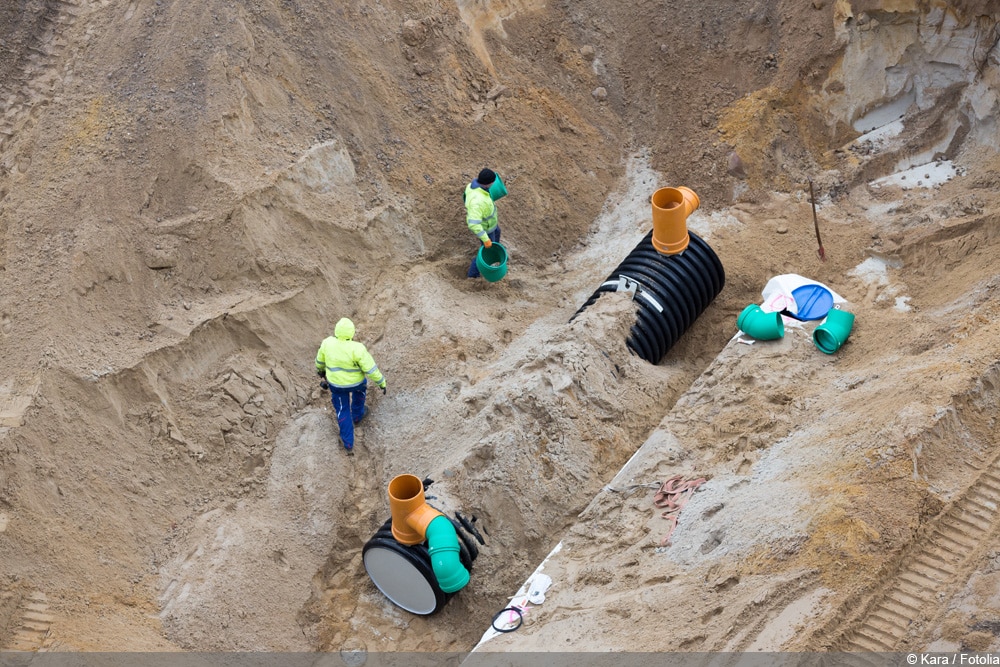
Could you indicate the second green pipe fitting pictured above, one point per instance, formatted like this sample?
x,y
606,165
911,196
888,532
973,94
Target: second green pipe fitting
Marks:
x,y
834,330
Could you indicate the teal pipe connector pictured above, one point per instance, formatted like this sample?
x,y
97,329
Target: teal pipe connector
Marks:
x,y
442,541
757,324
834,330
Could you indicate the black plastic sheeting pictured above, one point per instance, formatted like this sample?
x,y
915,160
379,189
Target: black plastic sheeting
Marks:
x,y
672,291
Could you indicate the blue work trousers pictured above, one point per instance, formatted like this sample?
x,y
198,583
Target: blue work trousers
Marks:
x,y
350,407
495,238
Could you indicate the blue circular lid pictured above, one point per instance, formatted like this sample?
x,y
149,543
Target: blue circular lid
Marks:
x,y
812,301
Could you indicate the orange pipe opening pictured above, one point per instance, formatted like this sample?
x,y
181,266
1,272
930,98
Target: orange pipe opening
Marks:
x,y
410,512
671,208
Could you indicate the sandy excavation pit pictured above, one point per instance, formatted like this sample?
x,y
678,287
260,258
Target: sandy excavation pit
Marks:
x,y
192,193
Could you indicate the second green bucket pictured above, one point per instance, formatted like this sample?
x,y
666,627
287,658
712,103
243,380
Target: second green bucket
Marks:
x,y
498,190
492,262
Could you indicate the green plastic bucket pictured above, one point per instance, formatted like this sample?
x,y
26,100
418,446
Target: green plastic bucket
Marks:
x,y
492,262
498,189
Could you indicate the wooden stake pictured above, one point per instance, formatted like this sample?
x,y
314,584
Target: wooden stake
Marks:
x,y
812,196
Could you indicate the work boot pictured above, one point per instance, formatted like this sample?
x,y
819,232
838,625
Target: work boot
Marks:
x,y
364,413
347,448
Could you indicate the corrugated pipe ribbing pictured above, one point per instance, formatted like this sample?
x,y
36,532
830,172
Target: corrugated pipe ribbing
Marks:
x,y
672,291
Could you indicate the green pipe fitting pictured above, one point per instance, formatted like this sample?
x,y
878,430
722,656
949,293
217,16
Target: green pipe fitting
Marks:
x,y
442,541
759,325
834,330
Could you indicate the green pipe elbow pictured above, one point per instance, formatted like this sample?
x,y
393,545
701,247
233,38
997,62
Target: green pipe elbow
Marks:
x,y
834,330
757,324
442,541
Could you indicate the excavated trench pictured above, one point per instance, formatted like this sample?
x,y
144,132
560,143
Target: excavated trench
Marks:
x,y
913,93
919,489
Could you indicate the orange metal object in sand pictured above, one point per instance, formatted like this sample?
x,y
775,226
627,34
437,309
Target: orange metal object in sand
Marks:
x,y
671,208
410,512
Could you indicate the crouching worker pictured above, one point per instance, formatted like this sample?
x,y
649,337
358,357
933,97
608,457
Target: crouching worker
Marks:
x,y
343,364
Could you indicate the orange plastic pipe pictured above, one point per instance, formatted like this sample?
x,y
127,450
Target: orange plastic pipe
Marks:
x,y
410,512
671,208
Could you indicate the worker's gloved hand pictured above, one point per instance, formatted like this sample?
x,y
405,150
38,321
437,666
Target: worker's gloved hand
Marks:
x,y
487,243
382,387
324,385
322,374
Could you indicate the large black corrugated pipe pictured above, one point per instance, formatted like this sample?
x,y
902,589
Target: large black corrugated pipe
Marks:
x,y
672,291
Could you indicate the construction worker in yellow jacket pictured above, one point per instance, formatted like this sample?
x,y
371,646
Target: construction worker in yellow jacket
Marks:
x,y
344,363
481,213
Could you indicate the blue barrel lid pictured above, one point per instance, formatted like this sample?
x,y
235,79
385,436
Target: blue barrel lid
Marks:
x,y
812,301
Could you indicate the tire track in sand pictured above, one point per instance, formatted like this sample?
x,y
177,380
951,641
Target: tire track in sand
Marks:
x,y
44,69
33,631
948,549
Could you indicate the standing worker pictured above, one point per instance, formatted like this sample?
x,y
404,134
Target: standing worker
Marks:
x,y
481,213
343,364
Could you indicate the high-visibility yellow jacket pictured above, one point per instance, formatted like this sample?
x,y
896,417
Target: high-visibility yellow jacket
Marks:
x,y
481,212
346,362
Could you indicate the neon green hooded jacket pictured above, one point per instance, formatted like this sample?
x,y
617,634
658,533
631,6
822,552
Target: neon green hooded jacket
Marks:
x,y
345,362
481,212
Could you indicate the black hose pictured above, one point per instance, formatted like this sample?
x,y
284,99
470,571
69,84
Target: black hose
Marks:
x,y
467,549
516,610
470,526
